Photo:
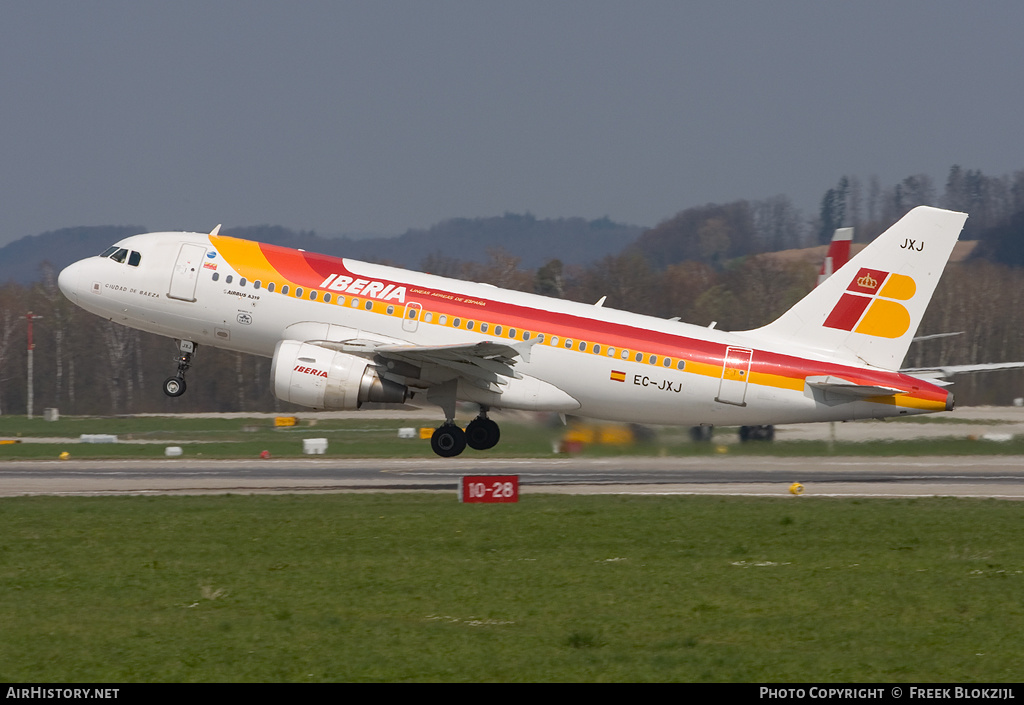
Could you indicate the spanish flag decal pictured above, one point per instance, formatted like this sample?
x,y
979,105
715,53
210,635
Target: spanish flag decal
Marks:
x,y
618,376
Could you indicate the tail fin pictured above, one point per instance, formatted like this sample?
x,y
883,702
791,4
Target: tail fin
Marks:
x,y
838,253
870,309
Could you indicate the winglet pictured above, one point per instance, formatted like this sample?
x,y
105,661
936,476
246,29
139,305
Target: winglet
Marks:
x,y
523,348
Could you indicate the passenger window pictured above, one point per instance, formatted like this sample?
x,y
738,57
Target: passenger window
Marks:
x,y
257,284
241,282
134,258
680,365
216,276
298,292
327,297
284,289
228,279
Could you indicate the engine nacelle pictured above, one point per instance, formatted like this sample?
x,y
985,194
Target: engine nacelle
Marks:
x,y
306,374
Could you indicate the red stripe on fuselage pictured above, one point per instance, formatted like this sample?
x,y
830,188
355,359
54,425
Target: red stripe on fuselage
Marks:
x,y
292,265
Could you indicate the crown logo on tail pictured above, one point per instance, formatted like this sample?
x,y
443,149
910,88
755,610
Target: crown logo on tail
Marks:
x,y
864,309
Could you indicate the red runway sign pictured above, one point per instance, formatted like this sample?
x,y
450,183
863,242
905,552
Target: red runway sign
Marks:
x,y
489,488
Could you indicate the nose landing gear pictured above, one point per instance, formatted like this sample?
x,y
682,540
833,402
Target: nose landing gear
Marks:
x,y
175,386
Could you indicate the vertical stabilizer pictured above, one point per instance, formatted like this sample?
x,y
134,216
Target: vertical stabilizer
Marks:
x,y
838,253
870,309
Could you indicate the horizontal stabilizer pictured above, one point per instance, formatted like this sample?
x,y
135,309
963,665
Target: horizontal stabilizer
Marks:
x,y
838,385
950,370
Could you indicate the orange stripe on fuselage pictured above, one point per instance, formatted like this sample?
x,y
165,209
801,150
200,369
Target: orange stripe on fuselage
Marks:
x,y
293,265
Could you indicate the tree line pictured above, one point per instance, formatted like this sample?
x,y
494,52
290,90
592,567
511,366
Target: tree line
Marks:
x,y
717,263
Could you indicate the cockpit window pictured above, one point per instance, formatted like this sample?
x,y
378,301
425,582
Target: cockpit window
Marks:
x,y
109,251
119,255
134,258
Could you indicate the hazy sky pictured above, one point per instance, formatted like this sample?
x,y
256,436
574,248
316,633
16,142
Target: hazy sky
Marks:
x,y
379,116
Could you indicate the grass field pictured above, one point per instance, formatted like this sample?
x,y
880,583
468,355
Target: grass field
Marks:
x,y
147,437
416,587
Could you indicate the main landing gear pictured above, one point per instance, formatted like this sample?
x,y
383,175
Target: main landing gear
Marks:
x,y
175,386
481,434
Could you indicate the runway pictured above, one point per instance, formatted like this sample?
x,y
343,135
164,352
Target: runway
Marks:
x,y
999,477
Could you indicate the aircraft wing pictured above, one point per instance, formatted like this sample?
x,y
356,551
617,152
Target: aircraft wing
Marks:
x,y
486,363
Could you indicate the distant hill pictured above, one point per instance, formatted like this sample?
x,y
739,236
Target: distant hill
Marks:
x,y
534,241
20,260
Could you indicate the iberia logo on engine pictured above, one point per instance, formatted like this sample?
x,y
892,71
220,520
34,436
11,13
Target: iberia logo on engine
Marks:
x,y
310,371
870,306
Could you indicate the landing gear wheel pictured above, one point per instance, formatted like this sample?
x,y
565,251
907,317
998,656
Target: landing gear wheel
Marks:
x,y
174,386
448,441
482,434
757,433
701,434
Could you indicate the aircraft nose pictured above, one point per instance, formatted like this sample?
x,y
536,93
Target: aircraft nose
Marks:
x,y
70,281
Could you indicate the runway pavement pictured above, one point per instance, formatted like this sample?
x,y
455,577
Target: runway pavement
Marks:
x,y
963,476
981,476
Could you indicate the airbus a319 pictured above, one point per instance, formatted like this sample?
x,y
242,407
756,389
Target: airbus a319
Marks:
x,y
341,333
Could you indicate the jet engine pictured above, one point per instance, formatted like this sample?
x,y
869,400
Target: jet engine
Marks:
x,y
307,374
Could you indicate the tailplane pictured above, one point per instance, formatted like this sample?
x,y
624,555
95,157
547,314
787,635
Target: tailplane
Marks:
x,y
870,309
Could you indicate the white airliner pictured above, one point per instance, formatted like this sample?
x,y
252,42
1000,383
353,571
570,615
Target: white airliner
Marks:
x,y
341,333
